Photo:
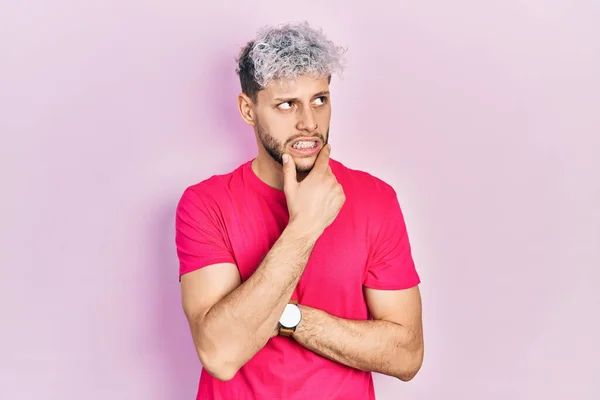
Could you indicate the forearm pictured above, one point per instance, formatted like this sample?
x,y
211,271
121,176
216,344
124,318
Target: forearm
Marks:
x,y
368,345
239,325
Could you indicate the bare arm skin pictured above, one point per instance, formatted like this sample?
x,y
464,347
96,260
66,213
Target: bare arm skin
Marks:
x,y
231,321
391,344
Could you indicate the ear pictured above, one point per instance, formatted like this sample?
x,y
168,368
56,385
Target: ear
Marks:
x,y
245,104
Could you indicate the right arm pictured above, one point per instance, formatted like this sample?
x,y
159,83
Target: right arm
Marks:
x,y
231,321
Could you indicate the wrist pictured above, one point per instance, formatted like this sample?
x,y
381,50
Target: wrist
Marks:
x,y
308,324
302,230
290,319
275,331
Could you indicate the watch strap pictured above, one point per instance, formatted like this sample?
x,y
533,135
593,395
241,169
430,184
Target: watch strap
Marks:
x,y
283,331
286,331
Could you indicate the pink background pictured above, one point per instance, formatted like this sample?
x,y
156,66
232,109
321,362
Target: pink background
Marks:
x,y
485,116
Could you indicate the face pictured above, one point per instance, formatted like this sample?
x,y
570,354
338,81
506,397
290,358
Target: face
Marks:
x,y
293,117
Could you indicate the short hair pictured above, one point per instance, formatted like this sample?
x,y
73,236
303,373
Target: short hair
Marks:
x,y
287,51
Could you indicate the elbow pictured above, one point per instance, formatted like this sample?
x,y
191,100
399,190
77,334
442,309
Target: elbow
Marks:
x,y
218,359
217,365
407,375
408,370
222,373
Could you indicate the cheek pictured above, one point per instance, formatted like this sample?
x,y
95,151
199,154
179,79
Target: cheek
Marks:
x,y
281,125
324,116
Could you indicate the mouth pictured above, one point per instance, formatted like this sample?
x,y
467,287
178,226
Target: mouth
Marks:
x,y
306,144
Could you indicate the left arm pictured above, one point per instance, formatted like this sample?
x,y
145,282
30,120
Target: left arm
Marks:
x,y
391,343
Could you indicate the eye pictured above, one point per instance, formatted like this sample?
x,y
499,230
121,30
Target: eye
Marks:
x,y
320,100
285,106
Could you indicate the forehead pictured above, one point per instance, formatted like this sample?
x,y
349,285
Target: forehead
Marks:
x,y
301,87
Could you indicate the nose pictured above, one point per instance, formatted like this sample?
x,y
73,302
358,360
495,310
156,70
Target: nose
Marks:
x,y
308,121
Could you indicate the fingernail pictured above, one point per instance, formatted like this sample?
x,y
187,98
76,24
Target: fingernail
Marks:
x,y
286,158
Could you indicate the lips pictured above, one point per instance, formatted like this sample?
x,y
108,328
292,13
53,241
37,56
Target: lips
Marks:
x,y
307,139
309,151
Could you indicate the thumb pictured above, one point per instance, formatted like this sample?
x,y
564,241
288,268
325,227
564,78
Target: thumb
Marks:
x,y
289,174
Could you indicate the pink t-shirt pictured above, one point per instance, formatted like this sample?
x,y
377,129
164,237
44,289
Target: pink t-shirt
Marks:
x,y
236,218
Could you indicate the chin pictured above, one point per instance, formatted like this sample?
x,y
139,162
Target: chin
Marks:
x,y
304,166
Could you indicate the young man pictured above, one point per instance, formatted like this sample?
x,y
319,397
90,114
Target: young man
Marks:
x,y
296,271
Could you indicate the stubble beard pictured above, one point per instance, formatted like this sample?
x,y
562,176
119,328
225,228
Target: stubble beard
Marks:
x,y
275,149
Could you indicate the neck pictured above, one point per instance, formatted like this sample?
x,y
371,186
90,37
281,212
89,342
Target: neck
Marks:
x,y
270,171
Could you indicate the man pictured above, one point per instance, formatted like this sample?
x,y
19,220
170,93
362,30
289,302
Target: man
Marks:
x,y
296,271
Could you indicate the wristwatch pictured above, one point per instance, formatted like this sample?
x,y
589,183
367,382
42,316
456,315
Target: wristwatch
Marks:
x,y
290,319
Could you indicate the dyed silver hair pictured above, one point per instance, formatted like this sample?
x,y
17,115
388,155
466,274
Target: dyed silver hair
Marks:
x,y
288,51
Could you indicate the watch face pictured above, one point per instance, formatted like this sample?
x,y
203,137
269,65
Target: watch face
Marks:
x,y
291,316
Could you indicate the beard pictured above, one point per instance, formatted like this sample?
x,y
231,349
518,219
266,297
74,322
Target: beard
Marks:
x,y
276,149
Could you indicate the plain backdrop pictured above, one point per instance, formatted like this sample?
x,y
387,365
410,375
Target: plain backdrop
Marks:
x,y
483,115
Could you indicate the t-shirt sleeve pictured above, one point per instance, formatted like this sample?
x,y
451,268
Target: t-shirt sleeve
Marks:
x,y
199,233
391,265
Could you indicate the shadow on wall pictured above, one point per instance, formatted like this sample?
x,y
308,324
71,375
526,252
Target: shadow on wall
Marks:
x,y
180,367
236,134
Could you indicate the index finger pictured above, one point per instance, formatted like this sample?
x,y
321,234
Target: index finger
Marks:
x,y
322,161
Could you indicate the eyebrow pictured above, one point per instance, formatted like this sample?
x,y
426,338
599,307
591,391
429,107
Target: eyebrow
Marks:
x,y
286,99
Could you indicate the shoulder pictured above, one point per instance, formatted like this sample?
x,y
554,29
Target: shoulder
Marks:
x,y
362,184
211,191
